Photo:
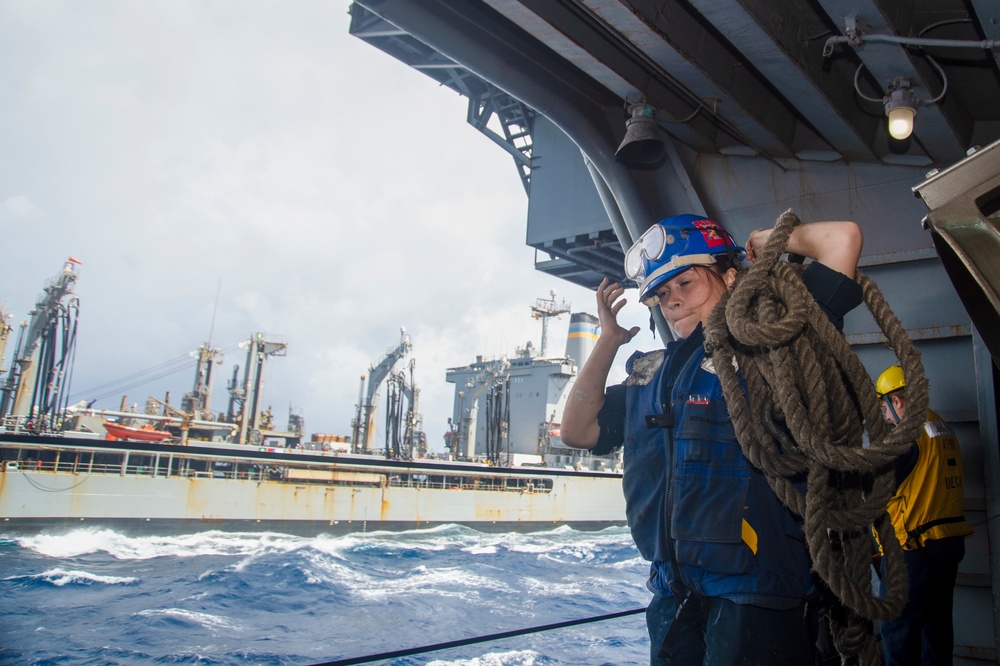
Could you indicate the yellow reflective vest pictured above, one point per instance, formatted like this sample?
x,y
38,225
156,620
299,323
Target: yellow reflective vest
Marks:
x,y
929,502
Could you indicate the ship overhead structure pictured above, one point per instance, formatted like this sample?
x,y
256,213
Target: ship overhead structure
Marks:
x,y
35,386
363,434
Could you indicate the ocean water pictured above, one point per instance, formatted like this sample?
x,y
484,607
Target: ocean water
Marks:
x,y
100,597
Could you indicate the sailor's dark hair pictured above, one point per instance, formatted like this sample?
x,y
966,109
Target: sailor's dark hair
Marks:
x,y
723,262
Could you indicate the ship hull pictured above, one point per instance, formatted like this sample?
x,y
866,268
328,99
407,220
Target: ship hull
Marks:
x,y
58,483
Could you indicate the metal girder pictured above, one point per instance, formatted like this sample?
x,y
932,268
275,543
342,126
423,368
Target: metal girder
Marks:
x,y
516,120
588,42
485,100
681,54
571,51
786,48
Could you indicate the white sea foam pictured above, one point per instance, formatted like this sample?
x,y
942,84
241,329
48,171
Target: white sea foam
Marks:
x,y
60,577
122,547
325,569
632,563
452,582
207,620
512,658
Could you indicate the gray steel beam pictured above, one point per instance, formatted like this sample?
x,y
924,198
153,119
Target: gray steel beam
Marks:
x,y
786,48
679,49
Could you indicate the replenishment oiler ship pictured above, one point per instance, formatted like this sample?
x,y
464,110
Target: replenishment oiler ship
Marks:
x,y
184,468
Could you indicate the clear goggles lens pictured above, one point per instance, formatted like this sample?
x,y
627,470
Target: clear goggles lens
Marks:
x,y
649,246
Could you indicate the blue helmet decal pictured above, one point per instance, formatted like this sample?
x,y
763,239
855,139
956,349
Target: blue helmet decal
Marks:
x,y
673,245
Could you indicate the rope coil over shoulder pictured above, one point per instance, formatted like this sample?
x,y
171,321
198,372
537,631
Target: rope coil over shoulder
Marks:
x,y
779,358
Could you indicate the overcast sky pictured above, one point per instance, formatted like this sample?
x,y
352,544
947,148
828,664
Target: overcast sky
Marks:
x,y
230,167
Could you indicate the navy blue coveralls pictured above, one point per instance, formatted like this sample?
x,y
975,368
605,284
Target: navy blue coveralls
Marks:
x,y
729,564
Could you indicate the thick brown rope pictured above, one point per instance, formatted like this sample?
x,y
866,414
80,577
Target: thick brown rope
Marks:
x,y
801,401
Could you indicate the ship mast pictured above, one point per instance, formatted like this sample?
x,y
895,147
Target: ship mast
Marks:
x,y
544,309
198,401
248,395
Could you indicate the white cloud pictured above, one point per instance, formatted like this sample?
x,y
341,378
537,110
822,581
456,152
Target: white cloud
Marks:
x,y
21,206
239,166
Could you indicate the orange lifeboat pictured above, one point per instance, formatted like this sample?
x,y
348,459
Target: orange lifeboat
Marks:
x,y
144,434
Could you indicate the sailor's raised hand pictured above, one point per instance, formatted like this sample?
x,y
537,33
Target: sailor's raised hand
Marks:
x,y
609,304
756,242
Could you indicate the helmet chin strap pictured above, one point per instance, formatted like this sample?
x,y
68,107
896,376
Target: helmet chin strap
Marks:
x,y
892,410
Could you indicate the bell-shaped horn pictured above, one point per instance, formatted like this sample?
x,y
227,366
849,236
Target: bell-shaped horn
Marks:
x,y
642,147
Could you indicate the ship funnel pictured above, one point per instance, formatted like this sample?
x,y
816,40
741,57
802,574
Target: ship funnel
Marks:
x,y
581,337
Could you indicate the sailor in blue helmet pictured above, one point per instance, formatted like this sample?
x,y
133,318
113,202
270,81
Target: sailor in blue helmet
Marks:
x,y
730,572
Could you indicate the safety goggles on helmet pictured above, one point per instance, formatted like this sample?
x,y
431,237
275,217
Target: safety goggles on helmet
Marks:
x,y
650,246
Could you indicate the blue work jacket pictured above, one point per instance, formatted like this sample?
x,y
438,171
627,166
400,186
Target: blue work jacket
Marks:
x,y
697,509
703,516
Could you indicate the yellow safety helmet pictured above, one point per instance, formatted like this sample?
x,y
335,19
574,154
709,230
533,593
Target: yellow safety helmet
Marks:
x,y
890,380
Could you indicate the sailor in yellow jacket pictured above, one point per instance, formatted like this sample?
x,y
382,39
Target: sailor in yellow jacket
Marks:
x,y
928,516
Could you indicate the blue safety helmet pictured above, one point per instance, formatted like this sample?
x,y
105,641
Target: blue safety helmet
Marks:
x,y
673,245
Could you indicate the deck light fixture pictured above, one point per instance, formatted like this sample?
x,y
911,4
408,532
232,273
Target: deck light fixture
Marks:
x,y
901,102
900,107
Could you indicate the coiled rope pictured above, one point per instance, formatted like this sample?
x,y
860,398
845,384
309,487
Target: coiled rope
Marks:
x,y
779,358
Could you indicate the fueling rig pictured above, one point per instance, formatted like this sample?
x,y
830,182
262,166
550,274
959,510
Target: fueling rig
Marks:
x,y
404,437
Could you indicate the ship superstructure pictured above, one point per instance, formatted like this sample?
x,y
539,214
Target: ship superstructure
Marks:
x,y
507,409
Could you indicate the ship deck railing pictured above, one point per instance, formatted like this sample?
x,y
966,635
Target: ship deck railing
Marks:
x,y
165,468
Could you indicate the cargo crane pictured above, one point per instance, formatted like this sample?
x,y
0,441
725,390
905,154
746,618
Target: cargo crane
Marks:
x,y
43,355
468,416
364,422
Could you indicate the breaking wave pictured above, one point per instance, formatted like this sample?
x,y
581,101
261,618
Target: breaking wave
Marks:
x,y
226,598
